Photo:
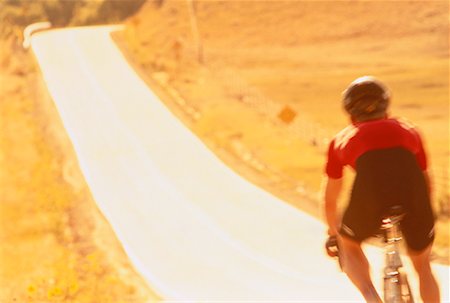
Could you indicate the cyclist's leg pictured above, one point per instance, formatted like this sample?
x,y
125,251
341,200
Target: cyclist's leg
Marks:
x,y
429,289
356,266
418,231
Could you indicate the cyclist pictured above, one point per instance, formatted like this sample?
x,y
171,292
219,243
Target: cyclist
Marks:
x,y
391,169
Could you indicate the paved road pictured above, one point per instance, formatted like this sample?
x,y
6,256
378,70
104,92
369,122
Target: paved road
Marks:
x,y
193,228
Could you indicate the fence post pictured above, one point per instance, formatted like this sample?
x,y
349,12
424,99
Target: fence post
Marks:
x,y
195,31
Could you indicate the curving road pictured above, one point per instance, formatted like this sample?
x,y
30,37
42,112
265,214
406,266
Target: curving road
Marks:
x,y
192,227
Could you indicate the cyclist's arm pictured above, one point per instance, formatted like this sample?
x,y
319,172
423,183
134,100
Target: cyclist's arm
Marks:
x,y
333,188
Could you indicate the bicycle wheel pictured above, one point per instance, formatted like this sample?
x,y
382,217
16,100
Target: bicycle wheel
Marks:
x,y
397,289
405,288
392,289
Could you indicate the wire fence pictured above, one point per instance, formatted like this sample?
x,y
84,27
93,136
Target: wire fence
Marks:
x,y
303,125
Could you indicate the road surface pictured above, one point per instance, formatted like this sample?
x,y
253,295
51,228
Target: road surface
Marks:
x,y
192,227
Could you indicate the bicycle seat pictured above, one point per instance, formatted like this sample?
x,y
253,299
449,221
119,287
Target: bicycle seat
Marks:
x,y
393,216
396,210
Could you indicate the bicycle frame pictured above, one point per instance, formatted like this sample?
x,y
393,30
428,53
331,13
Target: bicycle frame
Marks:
x,y
396,286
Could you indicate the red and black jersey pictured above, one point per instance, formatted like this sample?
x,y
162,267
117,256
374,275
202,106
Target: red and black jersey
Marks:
x,y
361,137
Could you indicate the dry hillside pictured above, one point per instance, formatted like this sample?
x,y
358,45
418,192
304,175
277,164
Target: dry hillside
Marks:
x,y
237,72
228,69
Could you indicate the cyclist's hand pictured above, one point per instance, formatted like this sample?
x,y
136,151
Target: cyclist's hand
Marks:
x,y
332,247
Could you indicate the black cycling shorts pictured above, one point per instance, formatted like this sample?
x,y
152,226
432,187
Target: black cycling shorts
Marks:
x,y
386,178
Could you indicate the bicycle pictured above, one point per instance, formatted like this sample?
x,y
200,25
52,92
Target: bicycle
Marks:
x,y
396,285
396,288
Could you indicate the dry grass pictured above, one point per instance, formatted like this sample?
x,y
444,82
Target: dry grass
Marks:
x,y
301,54
55,244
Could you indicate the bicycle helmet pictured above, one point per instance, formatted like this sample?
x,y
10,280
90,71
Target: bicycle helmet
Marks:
x,y
366,98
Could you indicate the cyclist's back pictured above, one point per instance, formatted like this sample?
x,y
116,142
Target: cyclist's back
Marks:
x,y
363,136
386,178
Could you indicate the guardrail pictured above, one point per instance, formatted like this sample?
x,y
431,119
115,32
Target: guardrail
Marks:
x,y
31,29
